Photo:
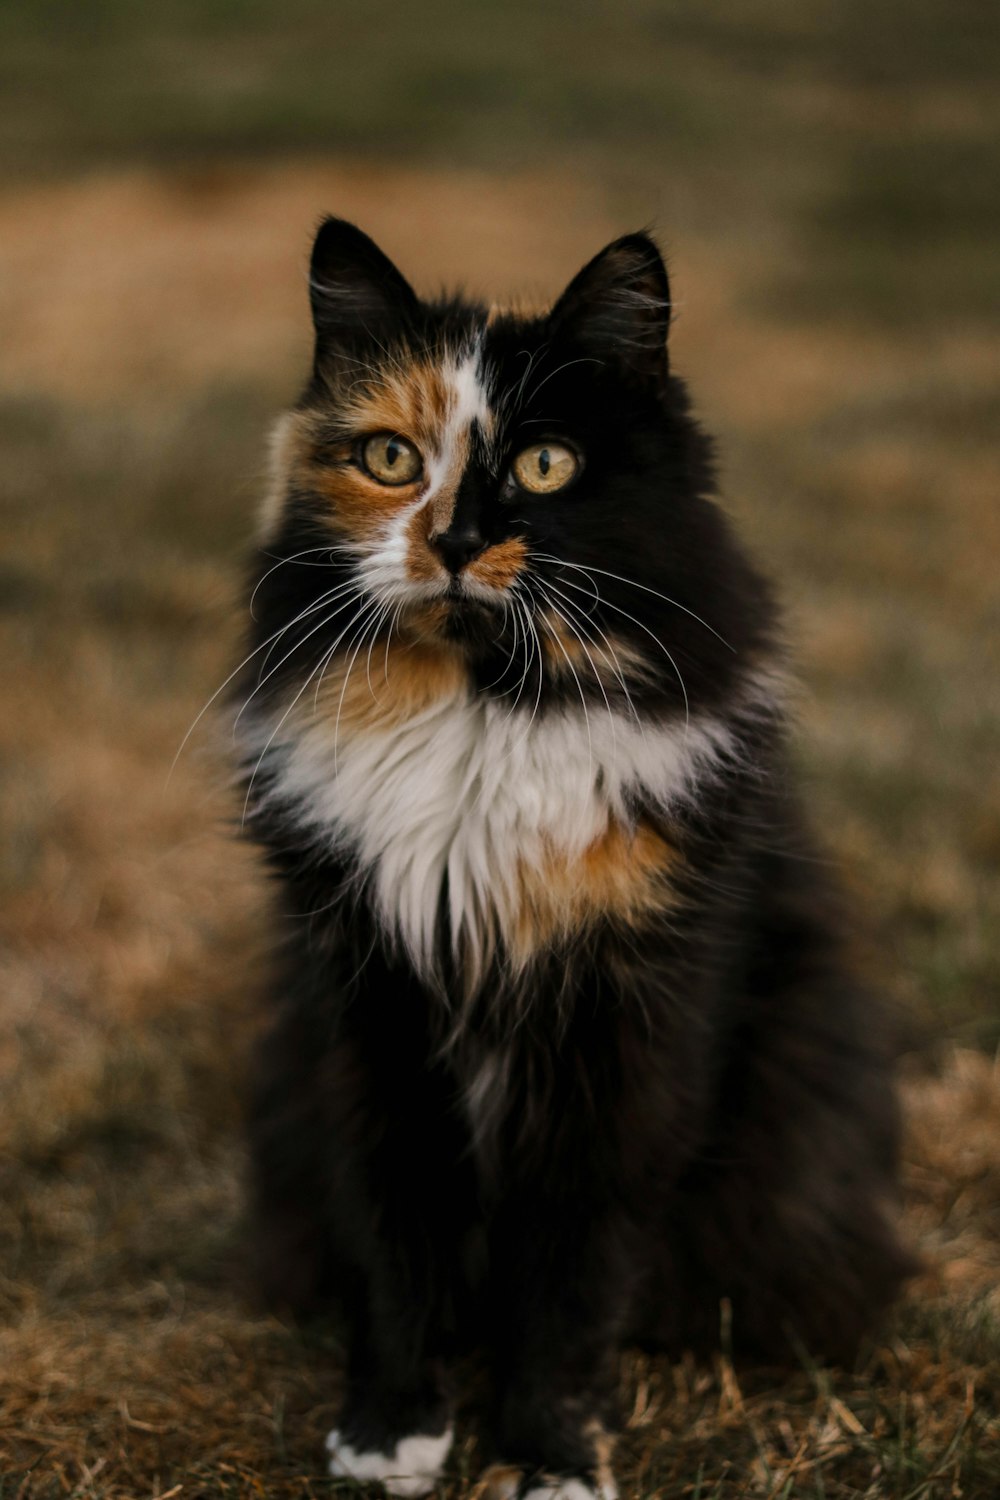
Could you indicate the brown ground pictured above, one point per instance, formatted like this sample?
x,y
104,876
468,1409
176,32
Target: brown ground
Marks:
x,y
149,324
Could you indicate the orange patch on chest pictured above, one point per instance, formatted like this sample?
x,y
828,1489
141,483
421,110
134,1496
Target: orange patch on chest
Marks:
x,y
625,875
382,690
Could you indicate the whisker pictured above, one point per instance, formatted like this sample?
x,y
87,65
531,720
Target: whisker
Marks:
x,y
562,563
539,659
529,649
613,657
507,605
513,394
593,666
310,609
342,604
271,641
387,610
324,658
295,557
583,360
618,610
351,625
375,617
388,640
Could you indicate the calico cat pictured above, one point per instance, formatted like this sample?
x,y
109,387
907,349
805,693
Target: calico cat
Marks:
x,y
565,1053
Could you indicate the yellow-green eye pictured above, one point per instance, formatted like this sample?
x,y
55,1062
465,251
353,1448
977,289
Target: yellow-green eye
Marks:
x,y
545,467
391,459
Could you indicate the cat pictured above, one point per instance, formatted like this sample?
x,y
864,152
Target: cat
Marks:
x,y
565,1052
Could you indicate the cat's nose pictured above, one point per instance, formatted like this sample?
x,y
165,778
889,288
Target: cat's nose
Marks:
x,y
458,546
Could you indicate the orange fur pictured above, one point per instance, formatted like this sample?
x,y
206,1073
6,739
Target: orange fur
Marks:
x,y
624,875
563,650
357,506
499,566
383,692
415,401
428,622
606,656
412,399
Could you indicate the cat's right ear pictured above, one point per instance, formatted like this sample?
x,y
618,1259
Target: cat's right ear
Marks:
x,y
618,307
354,289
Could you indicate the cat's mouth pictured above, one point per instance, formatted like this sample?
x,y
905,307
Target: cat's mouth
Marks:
x,y
460,616
465,597
458,596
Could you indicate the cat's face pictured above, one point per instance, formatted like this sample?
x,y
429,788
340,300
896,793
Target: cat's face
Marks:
x,y
529,492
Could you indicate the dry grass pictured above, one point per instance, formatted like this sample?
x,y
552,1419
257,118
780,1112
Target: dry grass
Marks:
x,y
143,347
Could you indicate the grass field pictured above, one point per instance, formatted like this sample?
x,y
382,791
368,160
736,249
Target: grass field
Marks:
x,y
823,177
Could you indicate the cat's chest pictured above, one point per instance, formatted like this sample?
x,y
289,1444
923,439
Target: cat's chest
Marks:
x,y
521,825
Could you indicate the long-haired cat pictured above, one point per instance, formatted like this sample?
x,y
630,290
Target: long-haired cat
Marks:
x,y
565,1052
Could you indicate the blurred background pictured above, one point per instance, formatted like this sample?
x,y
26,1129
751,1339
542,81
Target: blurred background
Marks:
x,y
823,177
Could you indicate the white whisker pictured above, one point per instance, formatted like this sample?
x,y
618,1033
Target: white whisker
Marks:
x,y
310,609
377,607
618,610
583,360
320,665
271,641
296,557
348,628
589,569
612,659
342,604
597,676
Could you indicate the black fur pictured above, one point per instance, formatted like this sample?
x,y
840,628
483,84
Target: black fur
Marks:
x,y
697,1112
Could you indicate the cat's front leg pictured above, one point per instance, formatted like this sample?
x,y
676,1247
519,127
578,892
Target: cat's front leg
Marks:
x,y
561,1285
359,1178
395,1422
394,1427
399,1204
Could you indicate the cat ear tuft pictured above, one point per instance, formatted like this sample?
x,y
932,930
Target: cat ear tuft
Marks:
x,y
353,287
619,306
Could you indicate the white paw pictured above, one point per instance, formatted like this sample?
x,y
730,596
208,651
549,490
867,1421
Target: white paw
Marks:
x,y
412,1468
571,1489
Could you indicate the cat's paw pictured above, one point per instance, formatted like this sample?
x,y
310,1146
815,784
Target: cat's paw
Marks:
x,y
564,1487
413,1467
504,1482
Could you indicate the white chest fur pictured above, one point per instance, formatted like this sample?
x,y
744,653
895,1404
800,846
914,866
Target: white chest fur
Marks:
x,y
465,794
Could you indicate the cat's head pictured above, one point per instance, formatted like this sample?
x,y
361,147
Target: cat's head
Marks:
x,y
530,491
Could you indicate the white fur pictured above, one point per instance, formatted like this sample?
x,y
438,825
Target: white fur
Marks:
x,y
382,567
470,790
468,403
571,1489
412,1468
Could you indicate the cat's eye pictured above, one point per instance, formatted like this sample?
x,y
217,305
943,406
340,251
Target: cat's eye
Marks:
x,y
391,459
545,467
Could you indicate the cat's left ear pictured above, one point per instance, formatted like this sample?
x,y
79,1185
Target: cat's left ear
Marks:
x,y
619,306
